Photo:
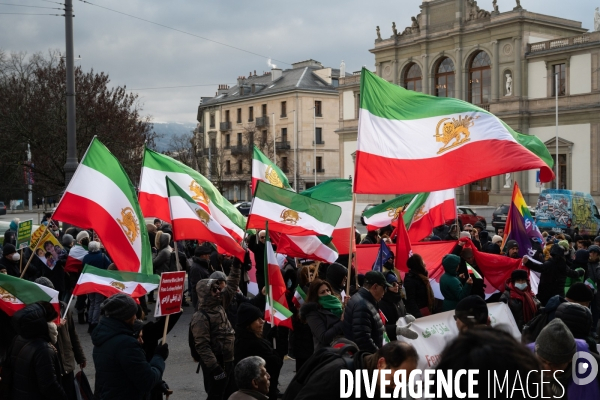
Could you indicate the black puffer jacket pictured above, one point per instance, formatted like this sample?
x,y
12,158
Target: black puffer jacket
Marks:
x,y
554,272
324,325
362,323
34,361
416,294
392,307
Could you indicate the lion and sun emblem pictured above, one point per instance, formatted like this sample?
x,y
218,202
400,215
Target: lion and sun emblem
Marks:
x,y
456,129
129,224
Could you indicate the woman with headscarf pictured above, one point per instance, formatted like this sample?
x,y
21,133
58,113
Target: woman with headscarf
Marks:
x,y
520,299
323,312
419,294
392,304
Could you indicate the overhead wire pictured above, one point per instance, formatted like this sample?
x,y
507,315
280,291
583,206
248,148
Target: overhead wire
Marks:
x,y
175,87
54,15
22,5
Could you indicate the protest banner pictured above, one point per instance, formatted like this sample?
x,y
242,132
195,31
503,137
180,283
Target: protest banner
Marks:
x,y
435,331
24,233
36,236
170,296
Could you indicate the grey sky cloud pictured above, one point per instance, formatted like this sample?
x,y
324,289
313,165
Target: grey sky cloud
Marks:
x,y
142,55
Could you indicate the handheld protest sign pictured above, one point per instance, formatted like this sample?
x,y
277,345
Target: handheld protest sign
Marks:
x,y
24,233
170,296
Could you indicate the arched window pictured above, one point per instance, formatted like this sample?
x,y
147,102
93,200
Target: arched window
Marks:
x,y
413,79
444,79
480,81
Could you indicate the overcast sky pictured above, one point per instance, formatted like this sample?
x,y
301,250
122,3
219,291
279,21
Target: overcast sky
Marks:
x,y
142,55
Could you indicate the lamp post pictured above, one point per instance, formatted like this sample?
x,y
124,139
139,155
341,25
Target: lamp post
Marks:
x,y
274,141
295,155
72,163
556,114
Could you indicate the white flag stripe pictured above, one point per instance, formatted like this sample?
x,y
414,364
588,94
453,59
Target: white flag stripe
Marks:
x,y
182,209
403,145
346,218
312,245
111,197
435,199
105,281
259,169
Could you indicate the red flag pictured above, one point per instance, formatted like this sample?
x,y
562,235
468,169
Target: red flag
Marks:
x,y
403,248
495,268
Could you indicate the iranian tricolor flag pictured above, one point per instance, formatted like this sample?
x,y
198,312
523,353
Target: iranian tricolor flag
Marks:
x,y
299,297
101,197
410,142
154,197
277,306
291,213
339,193
387,213
281,315
190,221
265,170
310,247
17,293
107,283
75,259
473,271
429,210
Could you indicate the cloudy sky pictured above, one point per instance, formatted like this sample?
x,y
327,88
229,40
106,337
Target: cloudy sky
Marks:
x,y
141,55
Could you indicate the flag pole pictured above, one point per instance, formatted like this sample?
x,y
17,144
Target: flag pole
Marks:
x,y
350,247
164,337
270,288
68,305
33,252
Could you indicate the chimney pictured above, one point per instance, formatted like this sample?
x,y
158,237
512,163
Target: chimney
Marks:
x,y
240,80
223,89
254,72
276,74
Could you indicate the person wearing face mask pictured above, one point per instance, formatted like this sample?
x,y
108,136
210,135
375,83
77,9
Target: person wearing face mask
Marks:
x,y
392,308
122,371
520,299
33,358
323,313
74,266
9,263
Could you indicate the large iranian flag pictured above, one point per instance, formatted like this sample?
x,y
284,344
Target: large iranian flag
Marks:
x,y
420,142
266,170
107,283
101,197
429,210
338,192
291,213
154,197
17,293
190,221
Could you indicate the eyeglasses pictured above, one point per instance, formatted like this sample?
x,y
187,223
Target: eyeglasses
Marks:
x,y
262,238
216,289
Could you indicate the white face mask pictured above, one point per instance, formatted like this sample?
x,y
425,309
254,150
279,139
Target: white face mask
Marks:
x,y
521,286
16,256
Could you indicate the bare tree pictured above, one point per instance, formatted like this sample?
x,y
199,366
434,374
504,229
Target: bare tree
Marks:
x,y
182,149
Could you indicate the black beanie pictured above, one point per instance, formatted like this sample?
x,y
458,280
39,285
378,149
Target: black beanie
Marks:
x,y
519,274
577,318
579,292
247,314
472,308
119,306
555,343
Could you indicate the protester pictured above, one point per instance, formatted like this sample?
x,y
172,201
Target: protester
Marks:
x,y
212,332
74,268
580,262
450,286
337,276
593,274
493,246
10,236
452,233
467,257
249,342
199,270
471,312
420,301
252,379
392,305
98,259
161,262
372,237
512,249
520,299
122,371
256,244
323,313
9,263
579,321
34,363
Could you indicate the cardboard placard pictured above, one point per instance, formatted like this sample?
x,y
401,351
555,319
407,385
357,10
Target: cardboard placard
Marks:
x,y
170,293
24,233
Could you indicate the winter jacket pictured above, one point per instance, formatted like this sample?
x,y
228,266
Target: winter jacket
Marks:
x,y
122,371
248,395
69,347
259,254
452,289
516,307
162,261
214,337
11,267
416,294
324,325
392,307
34,361
553,275
248,344
362,323
593,272
57,276
369,240
198,271
96,259
478,286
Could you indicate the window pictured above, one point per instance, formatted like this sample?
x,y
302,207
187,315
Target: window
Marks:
x,y
284,164
562,169
335,82
228,167
320,164
413,79
284,109
284,135
263,138
227,141
212,120
239,139
239,166
318,111
227,116
264,110
444,79
480,80
239,115
250,114
560,70
319,136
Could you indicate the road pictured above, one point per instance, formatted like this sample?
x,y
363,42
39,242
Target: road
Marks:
x,y
35,215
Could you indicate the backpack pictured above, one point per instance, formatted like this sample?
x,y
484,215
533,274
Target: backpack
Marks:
x,y
192,342
318,360
532,329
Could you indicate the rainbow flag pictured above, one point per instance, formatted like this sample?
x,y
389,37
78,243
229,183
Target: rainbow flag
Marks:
x,y
520,224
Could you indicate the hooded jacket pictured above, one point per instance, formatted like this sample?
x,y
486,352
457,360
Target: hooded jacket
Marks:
x,y
335,276
122,371
34,361
161,262
324,325
362,323
452,289
580,262
213,335
416,294
553,275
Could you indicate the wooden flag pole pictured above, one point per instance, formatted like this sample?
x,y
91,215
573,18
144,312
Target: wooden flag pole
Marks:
x,y
350,248
33,252
164,338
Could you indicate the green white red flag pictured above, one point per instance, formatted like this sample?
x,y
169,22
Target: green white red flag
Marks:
x,y
190,221
101,197
310,247
17,293
387,213
277,308
266,170
429,210
416,139
473,271
281,315
291,213
107,283
154,197
299,297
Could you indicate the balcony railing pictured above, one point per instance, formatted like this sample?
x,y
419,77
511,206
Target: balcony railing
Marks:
x,y
319,142
563,42
284,145
349,80
320,171
240,149
225,126
262,121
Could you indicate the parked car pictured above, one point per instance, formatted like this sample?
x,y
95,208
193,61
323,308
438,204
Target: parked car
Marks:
x,y
368,207
2,208
243,207
466,216
567,211
499,216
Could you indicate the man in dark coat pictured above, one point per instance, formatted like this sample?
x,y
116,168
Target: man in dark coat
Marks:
x,y
122,371
199,270
258,248
9,263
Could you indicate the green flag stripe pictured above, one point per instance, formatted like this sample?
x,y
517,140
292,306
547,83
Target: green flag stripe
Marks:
x,y
23,290
331,191
399,201
414,205
260,156
122,276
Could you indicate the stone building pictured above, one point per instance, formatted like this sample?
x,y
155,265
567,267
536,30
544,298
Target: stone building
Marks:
x,y
292,112
504,61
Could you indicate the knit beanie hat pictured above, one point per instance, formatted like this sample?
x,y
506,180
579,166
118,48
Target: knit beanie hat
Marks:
x,y
81,235
450,261
594,248
496,239
9,249
218,275
581,257
577,318
119,306
557,250
472,309
510,244
391,277
247,314
564,244
67,239
579,292
555,343
44,282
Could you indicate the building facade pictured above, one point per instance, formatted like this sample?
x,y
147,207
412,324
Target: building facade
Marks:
x,y
291,115
505,62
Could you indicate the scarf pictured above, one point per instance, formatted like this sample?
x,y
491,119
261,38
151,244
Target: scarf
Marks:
x,y
526,298
331,304
430,297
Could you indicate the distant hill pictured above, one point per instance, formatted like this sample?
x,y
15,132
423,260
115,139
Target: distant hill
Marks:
x,y
166,130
